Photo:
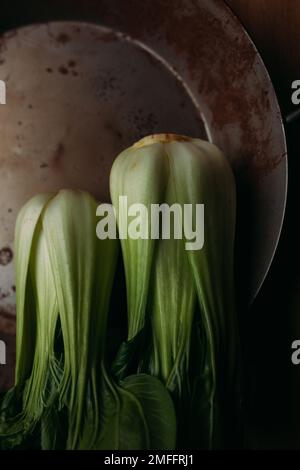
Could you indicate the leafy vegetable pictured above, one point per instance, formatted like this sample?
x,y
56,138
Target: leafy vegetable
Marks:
x,y
181,292
137,413
63,391
37,314
182,326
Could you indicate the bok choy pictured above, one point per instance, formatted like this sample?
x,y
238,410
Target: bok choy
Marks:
x,y
64,393
183,299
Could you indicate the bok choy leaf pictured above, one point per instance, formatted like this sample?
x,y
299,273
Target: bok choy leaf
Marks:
x,y
183,298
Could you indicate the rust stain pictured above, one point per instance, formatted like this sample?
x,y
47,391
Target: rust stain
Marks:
x,y
58,154
3,294
111,128
62,69
143,123
6,256
7,323
63,38
5,314
76,28
105,37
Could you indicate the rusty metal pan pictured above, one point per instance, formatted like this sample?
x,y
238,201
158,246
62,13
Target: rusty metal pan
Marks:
x,y
78,93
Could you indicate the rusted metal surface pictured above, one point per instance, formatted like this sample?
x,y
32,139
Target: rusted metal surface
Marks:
x,y
78,94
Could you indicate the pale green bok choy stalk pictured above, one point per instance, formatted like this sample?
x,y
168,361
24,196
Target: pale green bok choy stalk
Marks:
x,y
137,413
184,297
64,281
23,406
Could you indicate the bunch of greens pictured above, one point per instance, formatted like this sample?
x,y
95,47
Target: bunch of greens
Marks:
x,y
64,397
182,349
182,325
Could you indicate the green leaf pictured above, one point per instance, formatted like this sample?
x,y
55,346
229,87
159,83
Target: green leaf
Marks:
x,y
138,174
157,407
172,300
23,406
83,269
129,356
24,233
11,429
35,396
54,421
203,175
137,414
165,280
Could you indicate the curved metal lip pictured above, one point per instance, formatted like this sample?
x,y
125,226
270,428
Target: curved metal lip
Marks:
x,y
285,159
